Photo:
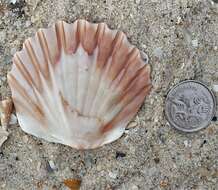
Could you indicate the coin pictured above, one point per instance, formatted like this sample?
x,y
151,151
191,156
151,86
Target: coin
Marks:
x,y
190,106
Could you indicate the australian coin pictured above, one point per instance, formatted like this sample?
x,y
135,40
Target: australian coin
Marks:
x,y
190,106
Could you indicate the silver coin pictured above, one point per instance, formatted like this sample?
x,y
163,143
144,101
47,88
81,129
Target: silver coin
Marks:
x,y
190,106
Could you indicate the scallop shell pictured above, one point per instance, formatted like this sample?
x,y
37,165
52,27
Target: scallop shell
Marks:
x,y
78,84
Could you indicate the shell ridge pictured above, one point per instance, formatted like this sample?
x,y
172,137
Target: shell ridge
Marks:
x,y
48,111
29,110
83,71
91,70
27,77
21,91
134,86
93,84
127,95
102,85
45,51
125,112
61,46
63,36
50,101
116,82
125,81
20,66
116,44
106,64
34,61
57,98
130,57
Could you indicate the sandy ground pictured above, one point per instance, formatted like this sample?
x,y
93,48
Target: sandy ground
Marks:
x,y
181,40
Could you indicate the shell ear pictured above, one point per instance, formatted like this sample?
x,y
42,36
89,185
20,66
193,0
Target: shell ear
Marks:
x,y
78,84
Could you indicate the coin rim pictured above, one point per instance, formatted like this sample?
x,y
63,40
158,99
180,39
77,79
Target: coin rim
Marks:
x,y
213,111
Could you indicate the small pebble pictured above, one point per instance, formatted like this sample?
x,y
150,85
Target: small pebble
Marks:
x,y
13,120
25,139
144,56
52,165
13,1
214,118
215,88
133,187
120,155
187,143
179,20
158,52
112,175
38,167
3,136
3,185
215,1
137,1
28,23
13,50
131,125
195,43
3,79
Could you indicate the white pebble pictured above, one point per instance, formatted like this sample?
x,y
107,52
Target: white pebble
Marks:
x,y
158,52
38,167
179,20
131,125
195,43
13,1
187,143
13,120
28,23
13,50
215,87
52,165
133,187
25,139
112,175
137,1
3,136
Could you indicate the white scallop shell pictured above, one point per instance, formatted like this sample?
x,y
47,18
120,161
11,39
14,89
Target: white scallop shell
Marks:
x,y
78,84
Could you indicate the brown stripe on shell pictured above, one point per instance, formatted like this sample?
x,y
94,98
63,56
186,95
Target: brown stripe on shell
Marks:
x,y
23,70
20,90
121,76
32,56
45,51
117,58
34,113
129,110
105,48
60,33
34,61
141,75
72,41
90,38
135,86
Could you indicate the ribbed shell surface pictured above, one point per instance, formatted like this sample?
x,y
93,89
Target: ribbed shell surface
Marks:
x,y
78,84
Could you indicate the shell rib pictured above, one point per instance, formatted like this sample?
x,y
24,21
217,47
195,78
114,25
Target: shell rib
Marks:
x,y
78,84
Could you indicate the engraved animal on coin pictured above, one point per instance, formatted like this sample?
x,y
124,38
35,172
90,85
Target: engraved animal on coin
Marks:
x,y
190,111
189,106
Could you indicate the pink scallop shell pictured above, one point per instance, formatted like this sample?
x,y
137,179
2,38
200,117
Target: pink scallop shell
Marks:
x,y
78,84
